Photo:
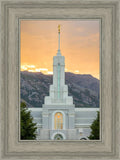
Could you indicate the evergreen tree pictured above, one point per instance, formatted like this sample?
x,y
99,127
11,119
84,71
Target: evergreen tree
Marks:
x,y
28,128
95,127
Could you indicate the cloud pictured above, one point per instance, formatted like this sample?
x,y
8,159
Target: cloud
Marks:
x,y
77,72
50,72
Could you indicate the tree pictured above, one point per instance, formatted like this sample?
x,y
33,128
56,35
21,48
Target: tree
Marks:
x,y
95,127
28,128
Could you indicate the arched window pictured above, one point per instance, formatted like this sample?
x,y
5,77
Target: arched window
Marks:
x,y
83,139
58,137
58,121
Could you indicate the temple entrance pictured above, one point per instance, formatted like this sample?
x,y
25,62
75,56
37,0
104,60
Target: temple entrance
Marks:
x,y
83,139
58,137
58,121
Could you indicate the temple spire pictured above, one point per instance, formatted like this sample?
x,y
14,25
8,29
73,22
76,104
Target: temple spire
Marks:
x,y
59,53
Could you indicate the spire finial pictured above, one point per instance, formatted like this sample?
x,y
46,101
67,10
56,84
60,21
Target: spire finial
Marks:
x,y
59,54
59,28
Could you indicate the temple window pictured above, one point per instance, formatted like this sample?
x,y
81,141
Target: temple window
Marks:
x,y
58,121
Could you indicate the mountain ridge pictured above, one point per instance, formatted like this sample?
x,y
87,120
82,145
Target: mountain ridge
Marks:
x,y
83,87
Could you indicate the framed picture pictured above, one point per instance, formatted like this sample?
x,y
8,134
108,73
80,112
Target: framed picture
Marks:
x,y
60,133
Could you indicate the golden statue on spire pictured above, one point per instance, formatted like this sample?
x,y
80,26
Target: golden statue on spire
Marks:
x,y
59,28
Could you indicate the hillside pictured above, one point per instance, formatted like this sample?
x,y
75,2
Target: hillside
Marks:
x,y
83,88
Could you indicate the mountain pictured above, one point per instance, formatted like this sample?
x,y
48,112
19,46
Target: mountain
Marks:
x,y
83,88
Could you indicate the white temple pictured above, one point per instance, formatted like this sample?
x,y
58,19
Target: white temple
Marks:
x,y
58,119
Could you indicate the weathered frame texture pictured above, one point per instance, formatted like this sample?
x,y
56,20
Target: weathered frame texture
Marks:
x,y
12,11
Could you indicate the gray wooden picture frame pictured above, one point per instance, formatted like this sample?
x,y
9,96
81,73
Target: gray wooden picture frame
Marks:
x,y
12,11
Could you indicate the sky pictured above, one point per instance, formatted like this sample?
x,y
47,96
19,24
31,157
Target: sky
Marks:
x,y
79,43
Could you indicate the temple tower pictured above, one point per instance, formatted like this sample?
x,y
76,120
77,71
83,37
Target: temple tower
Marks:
x,y
58,107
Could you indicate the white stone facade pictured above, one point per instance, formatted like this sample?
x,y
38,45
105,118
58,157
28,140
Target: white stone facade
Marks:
x,y
83,119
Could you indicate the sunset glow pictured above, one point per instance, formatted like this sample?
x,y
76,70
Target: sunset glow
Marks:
x,y
79,44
